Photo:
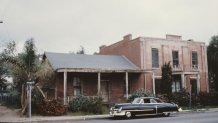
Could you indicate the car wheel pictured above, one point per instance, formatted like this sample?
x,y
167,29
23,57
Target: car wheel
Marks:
x,y
128,114
166,114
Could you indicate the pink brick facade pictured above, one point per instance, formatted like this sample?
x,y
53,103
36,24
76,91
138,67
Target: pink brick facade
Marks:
x,y
189,70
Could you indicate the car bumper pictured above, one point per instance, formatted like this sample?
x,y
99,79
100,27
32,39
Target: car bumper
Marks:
x,y
116,113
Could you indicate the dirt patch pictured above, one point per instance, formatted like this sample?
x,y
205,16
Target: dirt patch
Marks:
x,y
6,112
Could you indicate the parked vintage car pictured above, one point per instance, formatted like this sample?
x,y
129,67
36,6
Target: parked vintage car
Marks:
x,y
143,106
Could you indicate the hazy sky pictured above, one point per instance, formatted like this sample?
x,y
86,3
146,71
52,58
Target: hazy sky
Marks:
x,y
65,25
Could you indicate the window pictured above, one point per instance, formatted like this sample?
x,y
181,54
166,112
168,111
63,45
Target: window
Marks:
x,y
76,86
194,59
176,84
155,58
175,55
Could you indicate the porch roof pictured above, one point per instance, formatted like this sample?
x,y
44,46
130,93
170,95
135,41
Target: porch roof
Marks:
x,y
90,63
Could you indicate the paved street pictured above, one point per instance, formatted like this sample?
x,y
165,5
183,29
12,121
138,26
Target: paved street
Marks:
x,y
201,117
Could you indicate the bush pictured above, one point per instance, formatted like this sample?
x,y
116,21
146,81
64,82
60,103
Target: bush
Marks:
x,y
86,104
51,107
139,93
208,99
181,98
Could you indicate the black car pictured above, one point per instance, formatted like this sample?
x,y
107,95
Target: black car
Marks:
x,y
144,105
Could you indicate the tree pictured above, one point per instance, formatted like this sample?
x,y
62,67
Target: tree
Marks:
x,y
166,81
23,66
212,56
2,77
4,67
81,50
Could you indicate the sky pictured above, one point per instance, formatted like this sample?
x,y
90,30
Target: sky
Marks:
x,y
66,25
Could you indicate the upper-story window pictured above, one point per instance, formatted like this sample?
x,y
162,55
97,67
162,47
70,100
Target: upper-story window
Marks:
x,y
175,55
77,86
194,59
155,58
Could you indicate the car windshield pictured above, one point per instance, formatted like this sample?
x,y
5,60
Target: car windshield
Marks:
x,y
136,101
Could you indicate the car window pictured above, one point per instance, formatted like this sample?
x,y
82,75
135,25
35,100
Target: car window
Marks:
x,y
146,100
153,101
136,101
158,101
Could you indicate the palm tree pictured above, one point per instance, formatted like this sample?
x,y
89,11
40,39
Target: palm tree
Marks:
x,y
23,67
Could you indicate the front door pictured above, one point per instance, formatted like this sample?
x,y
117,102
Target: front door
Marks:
x,y
105,90
193,83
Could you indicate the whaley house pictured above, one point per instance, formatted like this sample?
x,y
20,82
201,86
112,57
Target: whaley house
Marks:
x,y
128,65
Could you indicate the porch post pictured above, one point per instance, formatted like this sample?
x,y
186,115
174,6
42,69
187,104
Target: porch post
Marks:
x,y
145,81
65,87
99,84
183,80
198,83
127,85
153,80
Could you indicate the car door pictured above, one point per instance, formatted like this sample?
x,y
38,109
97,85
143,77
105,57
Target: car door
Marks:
x,y
148,107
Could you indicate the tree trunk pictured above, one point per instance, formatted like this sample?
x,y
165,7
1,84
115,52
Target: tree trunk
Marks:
x,y
40,90
23,99
22,96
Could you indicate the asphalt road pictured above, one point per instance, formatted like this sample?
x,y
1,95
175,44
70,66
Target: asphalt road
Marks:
x,y
201,117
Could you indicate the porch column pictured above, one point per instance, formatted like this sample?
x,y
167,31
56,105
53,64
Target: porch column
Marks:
x,y
153,81
127,85
198,83
65,87
183,80
145,81
99,84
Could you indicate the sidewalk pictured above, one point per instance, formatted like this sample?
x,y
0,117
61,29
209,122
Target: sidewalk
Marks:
x,y
12,116
51,118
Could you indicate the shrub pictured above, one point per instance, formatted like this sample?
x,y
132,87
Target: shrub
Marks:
x,y
208,99
88,104
139,93
181,98
51,107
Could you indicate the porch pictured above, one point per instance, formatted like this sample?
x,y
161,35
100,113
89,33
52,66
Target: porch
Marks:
x,y
112,86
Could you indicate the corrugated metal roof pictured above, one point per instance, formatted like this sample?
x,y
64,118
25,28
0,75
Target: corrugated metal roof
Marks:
x,y
82,61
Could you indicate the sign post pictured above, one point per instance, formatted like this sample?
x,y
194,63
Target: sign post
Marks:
x,y
29,88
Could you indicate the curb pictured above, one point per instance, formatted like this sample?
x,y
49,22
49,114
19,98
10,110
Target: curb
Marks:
x,y
80,118
200,110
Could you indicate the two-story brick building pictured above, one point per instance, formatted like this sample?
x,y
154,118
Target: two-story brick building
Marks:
x,y
128,65
188,59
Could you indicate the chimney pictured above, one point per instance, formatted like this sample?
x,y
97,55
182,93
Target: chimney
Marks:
x,y
101,47
127,37
173,37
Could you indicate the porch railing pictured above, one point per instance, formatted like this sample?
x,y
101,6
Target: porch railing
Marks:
x,y
185,68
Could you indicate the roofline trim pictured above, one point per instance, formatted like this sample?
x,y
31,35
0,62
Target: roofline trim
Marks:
x,y
89,70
